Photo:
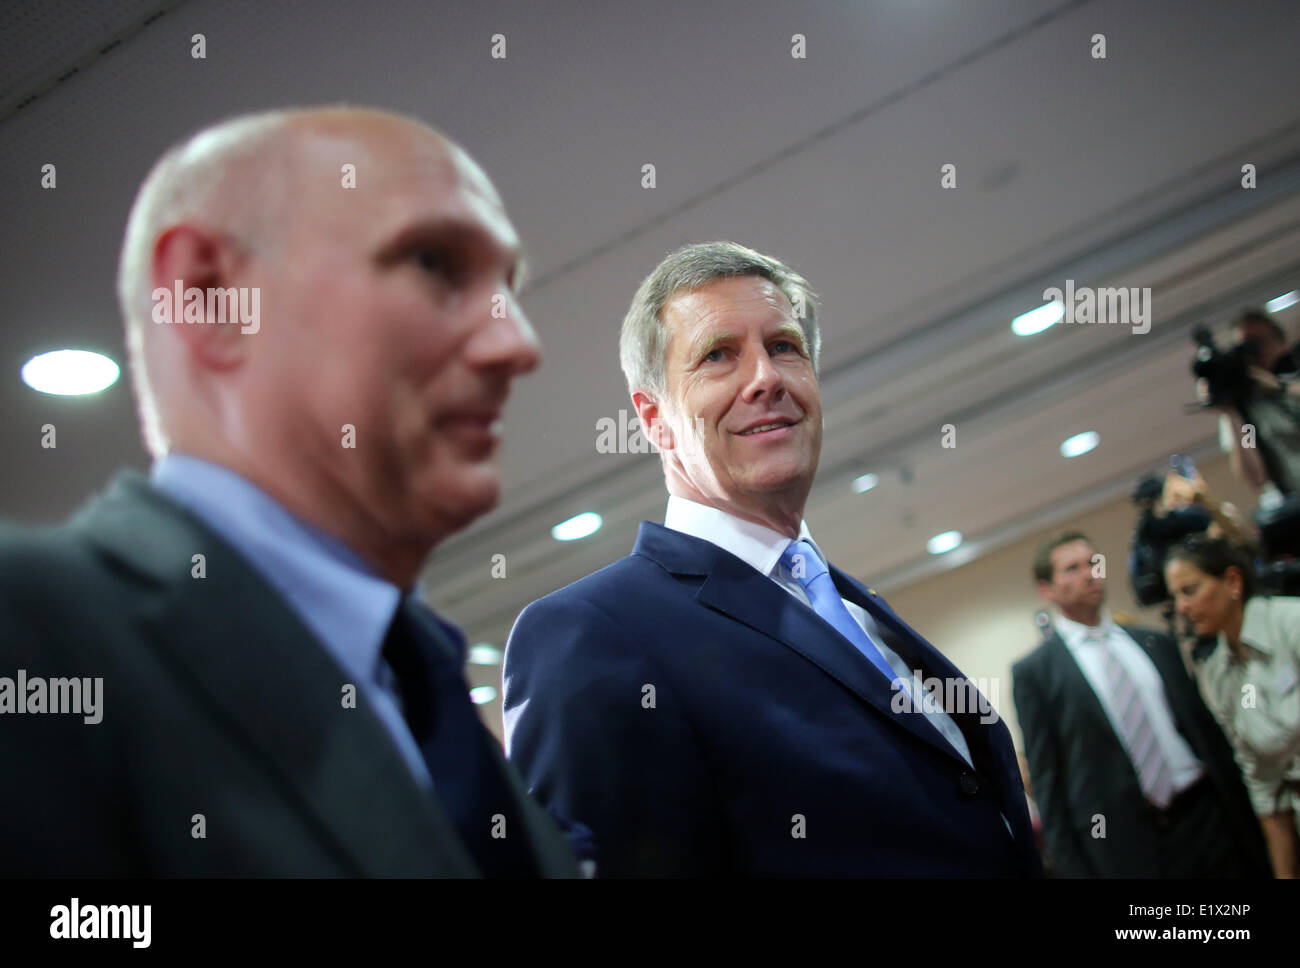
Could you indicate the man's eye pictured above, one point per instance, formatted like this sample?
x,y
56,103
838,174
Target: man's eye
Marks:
x,y
434,261
713,356
785,346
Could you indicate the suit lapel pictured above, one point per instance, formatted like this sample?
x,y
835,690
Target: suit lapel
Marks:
x,y
264,678
927,657
1072,676
1168,661
736,590
990,743
1076,682
733,588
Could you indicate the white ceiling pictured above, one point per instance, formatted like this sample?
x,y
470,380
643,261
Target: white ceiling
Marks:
x,y
1122,171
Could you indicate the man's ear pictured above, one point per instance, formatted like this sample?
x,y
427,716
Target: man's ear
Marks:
x,y
653,425
198,261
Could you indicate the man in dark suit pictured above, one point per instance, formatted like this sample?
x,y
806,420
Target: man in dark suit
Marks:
x,y
722,701
1132,776
270,695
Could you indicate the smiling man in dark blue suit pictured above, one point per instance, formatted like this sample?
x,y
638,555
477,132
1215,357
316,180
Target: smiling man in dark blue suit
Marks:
x,y
722,701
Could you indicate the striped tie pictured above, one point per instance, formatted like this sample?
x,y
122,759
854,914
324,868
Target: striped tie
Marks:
x,y
1135,728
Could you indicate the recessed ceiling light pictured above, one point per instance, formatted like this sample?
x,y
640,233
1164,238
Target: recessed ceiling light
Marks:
x,y
864,483
484,653
1080,443
1037,320
482,694
579,526
1282,301
70,372
944,542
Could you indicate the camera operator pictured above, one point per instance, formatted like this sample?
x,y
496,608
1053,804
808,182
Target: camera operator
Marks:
x,y
1264,378
1170,510
1226,521
1158,527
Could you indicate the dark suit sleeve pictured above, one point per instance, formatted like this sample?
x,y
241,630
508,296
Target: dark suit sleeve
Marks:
x,y
581,729
59,809
1047,774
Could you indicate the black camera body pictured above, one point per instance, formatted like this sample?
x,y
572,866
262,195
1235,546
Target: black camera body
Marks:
x,y
1154,535
1227,372
1274,417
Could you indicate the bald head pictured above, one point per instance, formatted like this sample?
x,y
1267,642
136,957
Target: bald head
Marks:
x,y
251,179
384,270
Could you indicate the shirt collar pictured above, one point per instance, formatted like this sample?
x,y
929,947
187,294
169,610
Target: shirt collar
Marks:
x,y
335,594
755,544
1254,627
1076,634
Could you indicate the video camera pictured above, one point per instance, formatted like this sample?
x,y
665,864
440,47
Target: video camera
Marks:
x,y
1273,416
1226,372
1155,533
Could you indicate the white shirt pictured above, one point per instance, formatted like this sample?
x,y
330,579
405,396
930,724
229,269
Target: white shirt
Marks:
x,y
1264,731
1090,656
761,548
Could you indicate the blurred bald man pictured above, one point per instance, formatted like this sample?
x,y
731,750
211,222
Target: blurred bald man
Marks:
x,y
226,668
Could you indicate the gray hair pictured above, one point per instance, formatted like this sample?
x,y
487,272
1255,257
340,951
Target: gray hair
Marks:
x,y
195,180
644,339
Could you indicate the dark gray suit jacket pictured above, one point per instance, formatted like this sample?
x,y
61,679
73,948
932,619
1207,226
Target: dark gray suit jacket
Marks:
x,y
1079,768
217,701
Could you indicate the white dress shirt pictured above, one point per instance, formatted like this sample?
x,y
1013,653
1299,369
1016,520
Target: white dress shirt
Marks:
x,y
1089,655
761,548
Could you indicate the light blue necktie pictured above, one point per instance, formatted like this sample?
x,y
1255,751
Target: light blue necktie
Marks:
x,y
807,568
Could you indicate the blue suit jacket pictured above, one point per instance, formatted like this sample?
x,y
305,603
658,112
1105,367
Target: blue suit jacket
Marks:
x,y
701,720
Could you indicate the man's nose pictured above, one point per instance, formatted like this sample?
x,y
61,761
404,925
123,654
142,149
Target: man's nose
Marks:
x,y
764,378
506,339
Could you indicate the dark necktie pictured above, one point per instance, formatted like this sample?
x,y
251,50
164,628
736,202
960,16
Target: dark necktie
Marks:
x,y
466,777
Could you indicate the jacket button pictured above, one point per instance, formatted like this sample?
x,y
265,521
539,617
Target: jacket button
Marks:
x,y
970,784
